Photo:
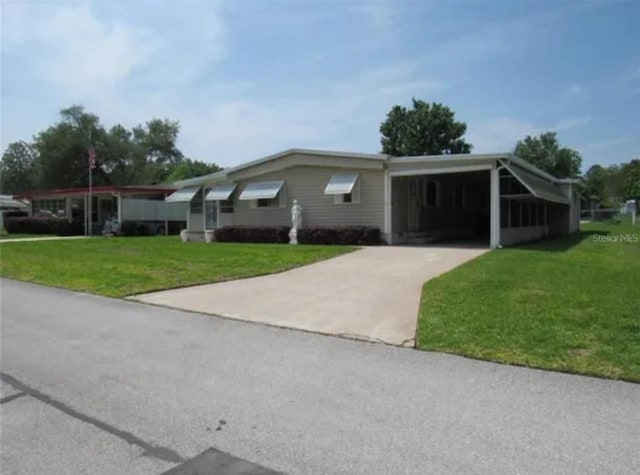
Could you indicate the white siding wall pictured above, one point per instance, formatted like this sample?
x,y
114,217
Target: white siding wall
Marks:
x,y
307,184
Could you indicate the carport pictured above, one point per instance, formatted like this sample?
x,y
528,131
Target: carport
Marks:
x,y
492,199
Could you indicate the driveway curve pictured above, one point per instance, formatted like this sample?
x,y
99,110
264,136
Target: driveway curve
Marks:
x,y
372,293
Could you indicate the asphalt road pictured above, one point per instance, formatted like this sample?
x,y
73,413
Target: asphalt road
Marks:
x,y
103,386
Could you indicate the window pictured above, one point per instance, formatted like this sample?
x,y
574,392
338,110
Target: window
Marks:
x,y
56,207
459,196
226,206
344,188
348,198
266,194
431,198
222,194
268,203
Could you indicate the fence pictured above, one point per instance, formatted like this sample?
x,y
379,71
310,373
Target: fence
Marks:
x,y
611,215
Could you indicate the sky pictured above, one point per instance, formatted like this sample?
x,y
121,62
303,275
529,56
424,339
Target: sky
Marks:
x,y
248,78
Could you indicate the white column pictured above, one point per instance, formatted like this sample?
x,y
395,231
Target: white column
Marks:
x,y
387,206
119,204
67,207
494,239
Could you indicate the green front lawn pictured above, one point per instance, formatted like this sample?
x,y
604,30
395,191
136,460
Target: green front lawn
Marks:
x,y
569,304
124,266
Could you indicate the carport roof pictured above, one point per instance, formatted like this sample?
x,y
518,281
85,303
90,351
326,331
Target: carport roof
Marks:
x,y
97,189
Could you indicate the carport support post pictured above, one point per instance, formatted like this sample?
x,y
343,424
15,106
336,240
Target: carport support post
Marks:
x,y
494,230
119,202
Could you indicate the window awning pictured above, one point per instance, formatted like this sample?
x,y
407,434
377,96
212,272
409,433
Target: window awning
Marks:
x,y
261,190
341,184
220,192
183,194
8,202
539,187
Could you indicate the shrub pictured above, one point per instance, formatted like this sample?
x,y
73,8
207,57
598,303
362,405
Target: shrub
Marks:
x,y
256,234
43,225
350,235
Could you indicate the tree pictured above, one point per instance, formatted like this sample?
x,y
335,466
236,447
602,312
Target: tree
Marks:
x,y
596,180
146,154
18,170
426,129
63,150
191,168
545,153
632,180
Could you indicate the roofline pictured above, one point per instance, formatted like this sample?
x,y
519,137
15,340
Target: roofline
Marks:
x,y
306,151
466,157
449,158
222,174
98,189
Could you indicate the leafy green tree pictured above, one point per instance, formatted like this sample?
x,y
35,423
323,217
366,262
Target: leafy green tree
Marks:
x,y
596,180
632,180
545,152
425,129
191,168
63,150
18,169
146,154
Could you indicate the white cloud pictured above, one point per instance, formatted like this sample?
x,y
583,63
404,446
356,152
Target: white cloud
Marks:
x,y
82,55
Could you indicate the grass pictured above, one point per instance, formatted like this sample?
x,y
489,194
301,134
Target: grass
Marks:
x,y
117,267
568,304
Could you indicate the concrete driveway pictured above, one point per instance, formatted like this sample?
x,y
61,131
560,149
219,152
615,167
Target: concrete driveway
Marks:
x,y
372,293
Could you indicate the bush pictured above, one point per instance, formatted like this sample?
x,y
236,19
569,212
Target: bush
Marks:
x,y
350,235
43,225
256,234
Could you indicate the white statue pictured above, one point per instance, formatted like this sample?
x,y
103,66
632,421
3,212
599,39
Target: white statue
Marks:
x,y
296,215
296,222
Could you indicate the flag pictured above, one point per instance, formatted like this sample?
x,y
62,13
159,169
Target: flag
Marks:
x,y
92,157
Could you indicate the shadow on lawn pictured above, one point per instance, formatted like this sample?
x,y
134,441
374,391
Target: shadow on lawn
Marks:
x,y
560,243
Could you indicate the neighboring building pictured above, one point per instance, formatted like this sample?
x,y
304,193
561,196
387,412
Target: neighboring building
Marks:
x,y
122,203
10,204
497,198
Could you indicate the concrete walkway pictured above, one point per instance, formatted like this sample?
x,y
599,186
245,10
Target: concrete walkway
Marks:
x,y
372,293
44,238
